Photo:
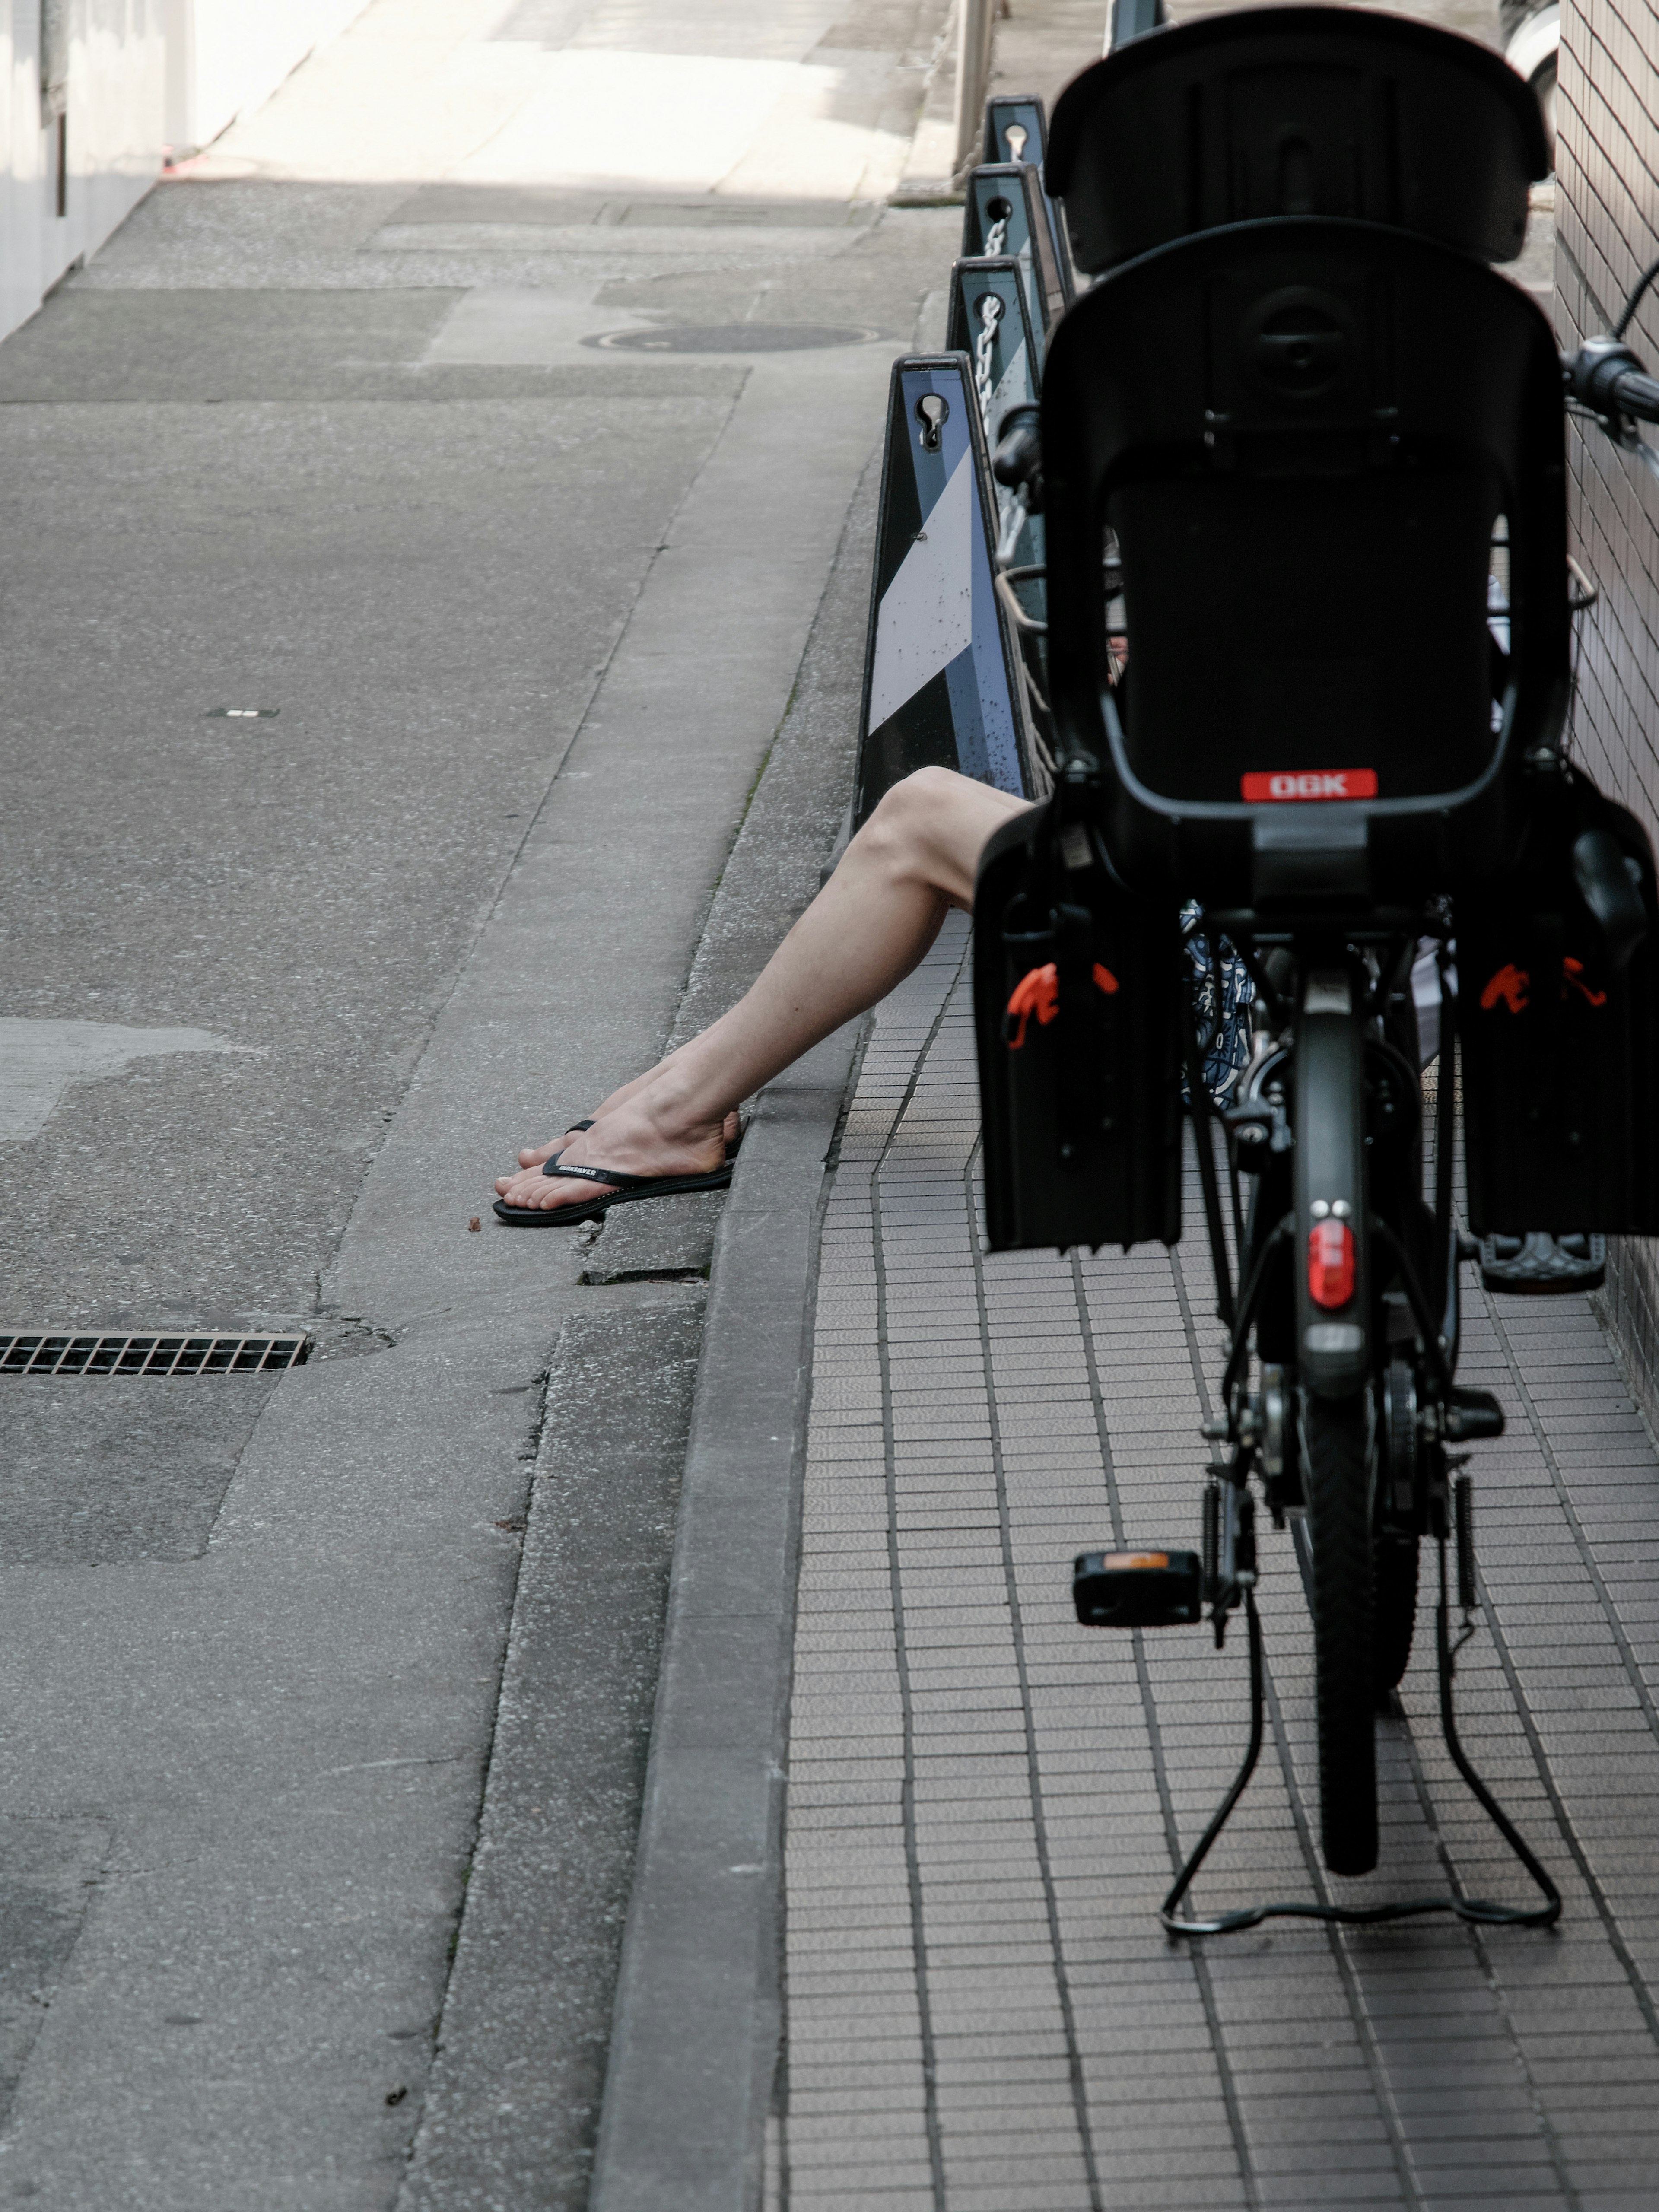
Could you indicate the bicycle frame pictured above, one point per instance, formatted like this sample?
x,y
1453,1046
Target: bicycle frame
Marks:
x,y
1328,1127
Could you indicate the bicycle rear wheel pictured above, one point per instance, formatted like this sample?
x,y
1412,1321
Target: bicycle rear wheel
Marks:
x,y
1393,1555
1393,1615
1339,1438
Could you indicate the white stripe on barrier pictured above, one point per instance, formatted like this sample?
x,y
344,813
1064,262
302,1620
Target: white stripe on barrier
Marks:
x,y
926,614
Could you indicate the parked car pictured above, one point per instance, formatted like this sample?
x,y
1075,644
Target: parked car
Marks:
x,y
1532,37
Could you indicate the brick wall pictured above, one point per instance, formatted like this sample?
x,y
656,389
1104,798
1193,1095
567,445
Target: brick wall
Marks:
x,y
1607,233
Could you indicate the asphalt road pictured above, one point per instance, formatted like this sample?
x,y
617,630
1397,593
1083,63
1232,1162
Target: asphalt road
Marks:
x,y
318,433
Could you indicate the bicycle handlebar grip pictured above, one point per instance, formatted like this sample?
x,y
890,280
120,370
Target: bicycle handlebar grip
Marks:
x,y
1635,394
1606,376
1018,460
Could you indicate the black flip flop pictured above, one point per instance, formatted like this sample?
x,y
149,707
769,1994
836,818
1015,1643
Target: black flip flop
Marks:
x,y
627,1188
567,1135
574,1128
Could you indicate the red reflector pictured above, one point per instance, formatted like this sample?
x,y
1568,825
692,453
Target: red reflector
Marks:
x,y
1267,785
1330,1263
1037,994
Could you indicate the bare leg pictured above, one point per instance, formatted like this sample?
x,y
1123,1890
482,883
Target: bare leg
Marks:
x,y
912,861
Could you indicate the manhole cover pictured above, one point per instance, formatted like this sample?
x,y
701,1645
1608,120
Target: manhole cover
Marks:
x,y
730,338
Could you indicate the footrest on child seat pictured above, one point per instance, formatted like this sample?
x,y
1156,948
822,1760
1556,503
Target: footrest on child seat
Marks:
x,y
1138,1590
1543,1266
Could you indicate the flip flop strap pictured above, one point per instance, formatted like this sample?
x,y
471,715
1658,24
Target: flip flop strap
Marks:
x,y
602,1175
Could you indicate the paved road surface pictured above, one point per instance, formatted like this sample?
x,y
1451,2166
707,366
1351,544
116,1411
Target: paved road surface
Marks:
x,y
318,433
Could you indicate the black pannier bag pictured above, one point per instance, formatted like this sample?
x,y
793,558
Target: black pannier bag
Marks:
x,y
1076,1007
1558,1019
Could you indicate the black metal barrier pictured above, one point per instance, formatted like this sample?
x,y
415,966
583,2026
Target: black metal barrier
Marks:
x,y
1016,130
987,319
1005,211
1133,19
942,686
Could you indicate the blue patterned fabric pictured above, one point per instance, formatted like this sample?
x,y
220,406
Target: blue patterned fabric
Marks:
x,y
1222,991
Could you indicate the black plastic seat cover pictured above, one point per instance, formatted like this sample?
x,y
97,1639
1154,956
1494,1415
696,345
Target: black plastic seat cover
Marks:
x,y
1295,111
1303,475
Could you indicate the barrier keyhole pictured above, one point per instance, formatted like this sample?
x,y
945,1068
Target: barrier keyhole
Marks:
x,y
1015,134
933,410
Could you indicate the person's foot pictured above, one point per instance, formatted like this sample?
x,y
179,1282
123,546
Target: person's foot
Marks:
x,y
532,1156
629,1139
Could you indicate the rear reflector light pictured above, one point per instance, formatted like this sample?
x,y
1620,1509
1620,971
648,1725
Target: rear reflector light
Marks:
x,y
1269,786
1330,1264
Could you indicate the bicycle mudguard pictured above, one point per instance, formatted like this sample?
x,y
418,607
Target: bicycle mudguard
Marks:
x,y
1331,1275
1558,1082
1076,987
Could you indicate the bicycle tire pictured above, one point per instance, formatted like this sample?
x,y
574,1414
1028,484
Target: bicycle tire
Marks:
x,y
1339,1448
1393,1612
1393,1555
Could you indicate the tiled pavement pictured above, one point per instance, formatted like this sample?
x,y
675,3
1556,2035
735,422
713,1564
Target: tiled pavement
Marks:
x,y
986,1801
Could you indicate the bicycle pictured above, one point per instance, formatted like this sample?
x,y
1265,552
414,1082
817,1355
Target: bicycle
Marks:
x,y
1285,443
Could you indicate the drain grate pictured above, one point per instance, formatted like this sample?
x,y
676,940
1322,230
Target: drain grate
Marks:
x,y
161,1351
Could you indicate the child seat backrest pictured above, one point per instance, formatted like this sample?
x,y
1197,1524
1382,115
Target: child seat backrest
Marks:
x,y
1302,433
1295,111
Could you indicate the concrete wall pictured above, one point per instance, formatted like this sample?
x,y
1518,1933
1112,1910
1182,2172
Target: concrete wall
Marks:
x,y
109,89
1607,233
127,77
225,57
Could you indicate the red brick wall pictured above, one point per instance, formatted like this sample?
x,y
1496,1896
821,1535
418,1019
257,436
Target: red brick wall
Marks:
x,y
1607,233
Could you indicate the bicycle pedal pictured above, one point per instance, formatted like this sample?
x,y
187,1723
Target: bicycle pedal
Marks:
x,y
1539,1265
1473,1413
1138,1590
